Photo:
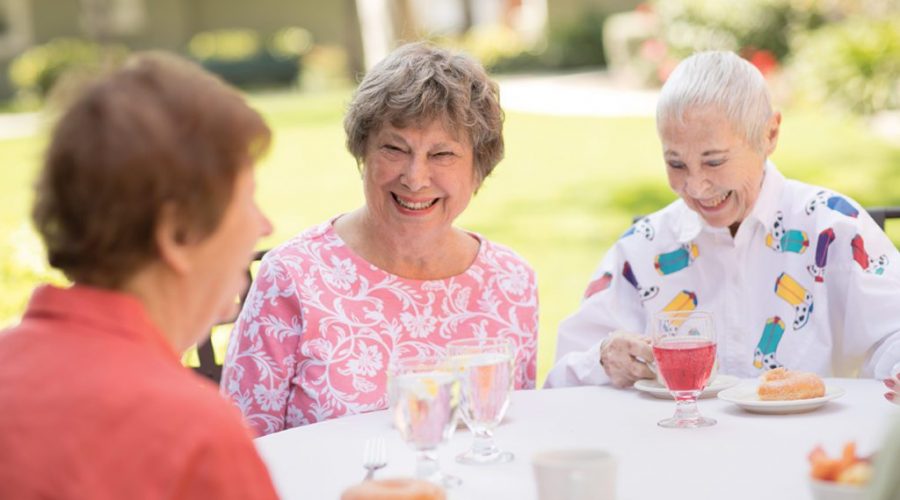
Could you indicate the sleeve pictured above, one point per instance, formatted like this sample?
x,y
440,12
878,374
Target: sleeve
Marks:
x,y
225,466
610,303
261,359
866,289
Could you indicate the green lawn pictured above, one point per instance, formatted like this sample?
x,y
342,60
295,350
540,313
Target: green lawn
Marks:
x,y
566,190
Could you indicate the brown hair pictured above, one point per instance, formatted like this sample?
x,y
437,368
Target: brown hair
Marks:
x,y
159,131
419,82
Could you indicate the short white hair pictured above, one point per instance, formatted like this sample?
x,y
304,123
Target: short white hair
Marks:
x,y
722,80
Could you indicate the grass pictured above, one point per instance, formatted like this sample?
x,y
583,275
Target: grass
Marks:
x,y
566,190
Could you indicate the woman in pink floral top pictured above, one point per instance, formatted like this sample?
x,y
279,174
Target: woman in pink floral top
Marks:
x,y
332,306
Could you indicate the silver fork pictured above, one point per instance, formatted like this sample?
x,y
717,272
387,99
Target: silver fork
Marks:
x,y
374,455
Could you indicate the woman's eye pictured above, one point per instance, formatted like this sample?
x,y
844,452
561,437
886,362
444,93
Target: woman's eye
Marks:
x,y
715,163
675,165
391,148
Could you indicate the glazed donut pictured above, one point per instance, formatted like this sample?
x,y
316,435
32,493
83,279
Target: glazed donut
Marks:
x,y
394,489
784,385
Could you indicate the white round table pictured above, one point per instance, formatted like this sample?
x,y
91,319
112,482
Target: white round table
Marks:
x,y
744,456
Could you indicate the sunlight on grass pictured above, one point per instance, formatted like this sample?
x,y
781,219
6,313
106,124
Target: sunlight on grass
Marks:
x,y
566,190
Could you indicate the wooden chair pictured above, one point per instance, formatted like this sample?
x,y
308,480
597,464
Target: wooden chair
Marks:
x,y
208,367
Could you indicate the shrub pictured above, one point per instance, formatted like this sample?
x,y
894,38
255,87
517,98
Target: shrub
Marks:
x,y
854,65
577,44
36,70
747,26
496,46
501,49
243,57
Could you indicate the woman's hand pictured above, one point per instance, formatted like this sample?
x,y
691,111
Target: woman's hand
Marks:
x,y
627,357
893,385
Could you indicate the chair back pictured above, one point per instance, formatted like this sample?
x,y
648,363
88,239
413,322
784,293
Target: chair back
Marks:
x,y
882,214
209,367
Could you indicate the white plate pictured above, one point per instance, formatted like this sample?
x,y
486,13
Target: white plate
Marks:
x,y
746,397
654,388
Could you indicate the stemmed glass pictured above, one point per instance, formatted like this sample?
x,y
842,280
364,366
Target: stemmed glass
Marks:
x,y
486,374
424,393
684,345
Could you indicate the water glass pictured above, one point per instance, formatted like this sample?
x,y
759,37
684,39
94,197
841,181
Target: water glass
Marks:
x,y
486,372
424,395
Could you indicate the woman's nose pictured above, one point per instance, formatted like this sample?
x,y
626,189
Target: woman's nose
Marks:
x,y
696,185
416,175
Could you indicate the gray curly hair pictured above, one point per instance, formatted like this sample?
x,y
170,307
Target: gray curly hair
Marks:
x,y
418,83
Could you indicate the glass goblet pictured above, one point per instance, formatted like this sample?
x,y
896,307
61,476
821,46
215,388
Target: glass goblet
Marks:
x,y
684,345
486,374
424,402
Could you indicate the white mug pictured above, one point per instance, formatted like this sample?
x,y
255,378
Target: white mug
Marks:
x,y
575,474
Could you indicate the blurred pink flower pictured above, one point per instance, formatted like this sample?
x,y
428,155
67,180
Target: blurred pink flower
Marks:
x,y
644,7
764,60
653,49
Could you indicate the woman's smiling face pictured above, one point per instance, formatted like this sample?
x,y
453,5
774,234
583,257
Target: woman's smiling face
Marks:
x,y
421,176
712,167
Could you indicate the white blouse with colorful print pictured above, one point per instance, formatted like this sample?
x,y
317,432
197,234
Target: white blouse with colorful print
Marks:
x,y
809,282
321,324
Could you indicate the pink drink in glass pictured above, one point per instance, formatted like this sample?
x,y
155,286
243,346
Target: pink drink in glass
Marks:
x,y
684,348
685,364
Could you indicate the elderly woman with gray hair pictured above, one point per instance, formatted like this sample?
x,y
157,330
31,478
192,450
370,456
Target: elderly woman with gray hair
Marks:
x,y
331,307
795,275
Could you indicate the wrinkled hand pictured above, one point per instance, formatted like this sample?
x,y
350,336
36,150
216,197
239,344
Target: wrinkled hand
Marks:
x,y
893,385
624,356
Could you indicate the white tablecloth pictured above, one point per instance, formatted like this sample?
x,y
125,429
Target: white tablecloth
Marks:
x,y
744,456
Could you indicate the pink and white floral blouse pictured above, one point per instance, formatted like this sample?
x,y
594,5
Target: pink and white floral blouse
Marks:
x,y
321,324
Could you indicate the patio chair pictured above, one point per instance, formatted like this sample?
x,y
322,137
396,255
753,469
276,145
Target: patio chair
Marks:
x,y
208,367
882,214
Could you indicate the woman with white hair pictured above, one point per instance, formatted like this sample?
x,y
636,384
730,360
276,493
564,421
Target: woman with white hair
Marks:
x,y
795,275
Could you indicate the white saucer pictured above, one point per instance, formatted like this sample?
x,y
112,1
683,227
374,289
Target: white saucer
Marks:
x,y
746,397
654,388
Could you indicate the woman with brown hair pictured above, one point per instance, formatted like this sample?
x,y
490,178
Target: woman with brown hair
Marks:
x,y
331,307
146,202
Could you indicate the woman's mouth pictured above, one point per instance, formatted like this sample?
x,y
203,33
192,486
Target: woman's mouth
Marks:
x,y
714,203
415,206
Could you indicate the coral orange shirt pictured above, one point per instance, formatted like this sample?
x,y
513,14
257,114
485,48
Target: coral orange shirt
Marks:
x,y
95,404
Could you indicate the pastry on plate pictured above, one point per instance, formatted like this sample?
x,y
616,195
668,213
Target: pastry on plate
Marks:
x,y
782,384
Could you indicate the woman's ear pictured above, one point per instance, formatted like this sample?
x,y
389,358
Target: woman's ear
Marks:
x,y
773,127
172,240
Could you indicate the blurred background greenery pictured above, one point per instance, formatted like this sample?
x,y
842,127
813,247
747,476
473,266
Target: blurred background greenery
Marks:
x,y
569,185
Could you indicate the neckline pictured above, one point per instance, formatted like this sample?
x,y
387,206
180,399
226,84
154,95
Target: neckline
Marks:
x,y
101,310
330,232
